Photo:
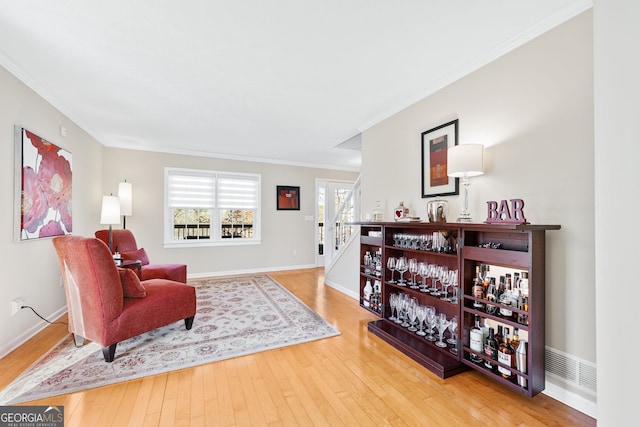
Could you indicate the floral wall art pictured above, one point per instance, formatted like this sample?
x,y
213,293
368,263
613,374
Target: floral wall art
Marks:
x,y
43,187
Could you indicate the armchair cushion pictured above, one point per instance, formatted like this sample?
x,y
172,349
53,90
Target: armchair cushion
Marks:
x,y
139,255
131,286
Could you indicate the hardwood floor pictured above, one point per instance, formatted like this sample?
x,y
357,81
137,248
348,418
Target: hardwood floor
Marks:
x,y
351,379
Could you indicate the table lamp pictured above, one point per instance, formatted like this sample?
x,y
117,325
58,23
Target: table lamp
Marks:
x,y
110,215
465,161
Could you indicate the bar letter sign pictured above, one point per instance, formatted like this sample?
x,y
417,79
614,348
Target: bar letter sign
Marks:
x,y
511,211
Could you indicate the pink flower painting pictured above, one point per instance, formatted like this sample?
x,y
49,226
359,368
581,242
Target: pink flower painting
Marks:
x,y
46,188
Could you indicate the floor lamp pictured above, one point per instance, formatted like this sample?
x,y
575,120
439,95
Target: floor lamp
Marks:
x,y
125,194
464,161
110,215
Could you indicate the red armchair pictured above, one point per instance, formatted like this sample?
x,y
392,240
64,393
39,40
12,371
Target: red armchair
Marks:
x,y
107,304
125,243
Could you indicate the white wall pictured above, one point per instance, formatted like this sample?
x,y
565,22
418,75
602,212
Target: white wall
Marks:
x,y
533,110
31,268
283,232
617,147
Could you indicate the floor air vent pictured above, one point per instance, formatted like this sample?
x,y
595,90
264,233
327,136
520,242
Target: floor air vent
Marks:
x,y
571,369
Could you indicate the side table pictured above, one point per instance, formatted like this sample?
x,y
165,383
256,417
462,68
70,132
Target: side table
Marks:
x,y
133,265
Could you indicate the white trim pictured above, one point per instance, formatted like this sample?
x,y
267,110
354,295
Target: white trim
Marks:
x,y
31,332
249,271
342,289
573,400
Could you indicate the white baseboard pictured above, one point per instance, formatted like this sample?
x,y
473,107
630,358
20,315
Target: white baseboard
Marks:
x,y
30,333
342,289
249,271
573,400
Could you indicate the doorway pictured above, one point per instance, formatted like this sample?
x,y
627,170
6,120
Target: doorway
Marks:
x,y
329,196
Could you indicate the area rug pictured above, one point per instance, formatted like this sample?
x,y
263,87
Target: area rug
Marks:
x,y
235,316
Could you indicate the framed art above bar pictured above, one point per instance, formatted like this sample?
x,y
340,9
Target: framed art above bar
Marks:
x,y
435,143
42,206
288,198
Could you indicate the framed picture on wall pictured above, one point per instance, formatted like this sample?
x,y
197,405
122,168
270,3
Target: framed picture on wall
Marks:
x,y
42,206
435,143
288,198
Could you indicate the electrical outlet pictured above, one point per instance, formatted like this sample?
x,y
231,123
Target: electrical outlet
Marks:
x,y
16,306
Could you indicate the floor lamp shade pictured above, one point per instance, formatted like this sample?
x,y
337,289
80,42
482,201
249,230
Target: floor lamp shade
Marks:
x,y
125,194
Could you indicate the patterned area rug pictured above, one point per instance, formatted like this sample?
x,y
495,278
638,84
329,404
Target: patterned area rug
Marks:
x,y
235,316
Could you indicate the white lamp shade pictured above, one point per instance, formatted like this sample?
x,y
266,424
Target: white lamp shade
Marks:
x,y
125,193
465,160
110,210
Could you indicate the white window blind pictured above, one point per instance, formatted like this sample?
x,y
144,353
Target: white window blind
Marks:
x,y
238,192
191,190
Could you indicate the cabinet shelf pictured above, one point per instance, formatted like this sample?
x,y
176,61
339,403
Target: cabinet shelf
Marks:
x,y
519,247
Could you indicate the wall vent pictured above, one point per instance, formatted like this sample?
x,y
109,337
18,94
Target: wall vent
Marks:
x,y
571,369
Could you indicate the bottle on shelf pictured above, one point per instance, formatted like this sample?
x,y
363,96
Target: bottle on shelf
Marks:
x,y
499,335
504,297
521,362
476,341
524,283
515,339
378,263
378,212
368,259
506,356
477,290
377,297
491,297
491,350
366,293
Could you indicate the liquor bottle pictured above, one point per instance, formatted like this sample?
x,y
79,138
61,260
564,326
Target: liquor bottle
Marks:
x,y
477,290
366,293
506,356
515,339
504,297
377,297
400,212
499,336
378,263
521,362
491,296
491,350
476,340
524,283
378,212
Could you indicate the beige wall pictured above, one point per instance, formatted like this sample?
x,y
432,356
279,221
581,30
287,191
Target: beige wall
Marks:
x,y
533,110
283,232
31,268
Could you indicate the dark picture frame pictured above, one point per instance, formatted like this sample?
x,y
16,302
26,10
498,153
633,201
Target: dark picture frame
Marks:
x,y
288,198
435,145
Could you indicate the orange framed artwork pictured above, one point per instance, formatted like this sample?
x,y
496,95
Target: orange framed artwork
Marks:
x,y
288,198
435,145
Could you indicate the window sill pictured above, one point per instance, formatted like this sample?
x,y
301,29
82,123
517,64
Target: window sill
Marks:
x,y
208,243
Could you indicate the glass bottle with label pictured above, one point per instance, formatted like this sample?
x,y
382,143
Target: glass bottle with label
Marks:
x,y
491,350
476,342
366,293
506,356
491,297
400,212
477,290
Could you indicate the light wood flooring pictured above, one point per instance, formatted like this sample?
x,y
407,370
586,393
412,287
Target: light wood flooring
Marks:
x,y
349,380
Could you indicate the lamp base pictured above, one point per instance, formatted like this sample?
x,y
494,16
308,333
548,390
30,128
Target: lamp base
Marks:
x,y
464,218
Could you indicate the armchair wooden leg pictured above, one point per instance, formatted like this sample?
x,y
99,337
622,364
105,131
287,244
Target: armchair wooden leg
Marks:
x,y
78,340
188,322
109,352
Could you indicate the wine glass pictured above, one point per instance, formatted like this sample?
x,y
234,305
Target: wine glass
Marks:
x,y
445,278
413,269
402,266
393,299
400,304
442,324
421,312
434,279
413,316
453,281
453,339
423,271
432,274
391,265
430,321
442,274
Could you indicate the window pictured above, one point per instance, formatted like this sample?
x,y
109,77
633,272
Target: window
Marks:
x,y
211,208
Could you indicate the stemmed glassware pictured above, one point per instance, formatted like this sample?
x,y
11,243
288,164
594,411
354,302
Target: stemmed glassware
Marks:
x,y
423,271
412,314
413,269
402,266
453,339
432,273
430,321
453,281
391,265
442,324
445,278
421,312
393,301
401,307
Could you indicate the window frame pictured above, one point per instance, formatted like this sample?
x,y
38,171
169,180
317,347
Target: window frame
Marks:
x,y
215,228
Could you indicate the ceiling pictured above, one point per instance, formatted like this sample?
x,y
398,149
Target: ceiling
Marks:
x,y
277,81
